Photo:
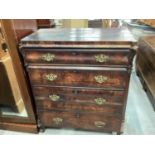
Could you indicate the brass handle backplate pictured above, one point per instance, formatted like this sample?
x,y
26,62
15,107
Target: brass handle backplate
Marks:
x,y
51,77
57,120
54,97
99,124
48,57
101,58
100,101
100,78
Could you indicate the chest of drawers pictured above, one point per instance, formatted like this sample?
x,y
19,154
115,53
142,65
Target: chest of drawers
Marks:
x,y
79,77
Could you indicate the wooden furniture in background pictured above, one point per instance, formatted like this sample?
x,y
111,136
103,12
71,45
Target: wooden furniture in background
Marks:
x,y
145,65
13,122
95,23
79,77
9,90
45,23
23,27
150,22
75,23
10,96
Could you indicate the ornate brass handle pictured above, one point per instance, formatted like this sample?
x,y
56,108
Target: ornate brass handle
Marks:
x,y
101,58
51,77
48,57
54,97
57,120
100,101
100,78
99,124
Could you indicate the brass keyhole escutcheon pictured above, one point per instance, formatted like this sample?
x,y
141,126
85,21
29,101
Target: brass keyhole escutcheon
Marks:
x,y
99,124
100,78
100,101
51,77
54,97
48,57
101,58
57,120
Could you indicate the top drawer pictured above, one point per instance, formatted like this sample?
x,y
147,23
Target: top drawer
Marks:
x,y
78,56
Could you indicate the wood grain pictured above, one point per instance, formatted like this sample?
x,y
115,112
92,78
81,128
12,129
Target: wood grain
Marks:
x,y
79,56
76,79
145,65
79,77
85,121
85,37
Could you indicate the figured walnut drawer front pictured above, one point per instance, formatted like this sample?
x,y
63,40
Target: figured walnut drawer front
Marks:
x,y
109,110
87,121
81,76
76,56
110,102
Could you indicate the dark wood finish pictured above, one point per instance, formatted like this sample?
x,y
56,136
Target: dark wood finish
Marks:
x,y
44,23
116,78
70,105
81,93
79,56
8,30
66,86
145,65
84,121
84,37
79,99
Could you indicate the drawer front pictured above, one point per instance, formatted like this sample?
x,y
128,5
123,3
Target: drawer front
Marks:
x,y
109,110
87,121
48,98
93,77
75,56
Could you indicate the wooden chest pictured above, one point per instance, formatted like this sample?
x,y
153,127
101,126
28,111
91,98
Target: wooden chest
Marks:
x,y
79,77
145,65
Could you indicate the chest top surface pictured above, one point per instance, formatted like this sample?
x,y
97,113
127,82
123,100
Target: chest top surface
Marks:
x,y
81,36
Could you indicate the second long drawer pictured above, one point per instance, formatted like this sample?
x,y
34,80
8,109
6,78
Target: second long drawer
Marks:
x,y
78,76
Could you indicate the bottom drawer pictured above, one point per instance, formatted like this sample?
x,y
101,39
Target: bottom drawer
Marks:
x,y
85,121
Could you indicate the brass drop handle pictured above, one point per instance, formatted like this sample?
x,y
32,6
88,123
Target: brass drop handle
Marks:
x,y
57,120
100,78
54,97
100,101
101,58
51,77
48,57
99,124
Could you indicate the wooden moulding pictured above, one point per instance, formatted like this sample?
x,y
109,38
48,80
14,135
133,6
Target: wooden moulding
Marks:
x,y
29,128
17,101
8,30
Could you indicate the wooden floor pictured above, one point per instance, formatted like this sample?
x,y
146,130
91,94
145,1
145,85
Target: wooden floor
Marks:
x,y
139,120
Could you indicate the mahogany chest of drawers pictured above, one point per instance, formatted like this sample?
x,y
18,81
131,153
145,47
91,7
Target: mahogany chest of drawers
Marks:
x,y
79,77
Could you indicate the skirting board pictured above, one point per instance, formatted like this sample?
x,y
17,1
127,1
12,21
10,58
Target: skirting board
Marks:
x,y
29,128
